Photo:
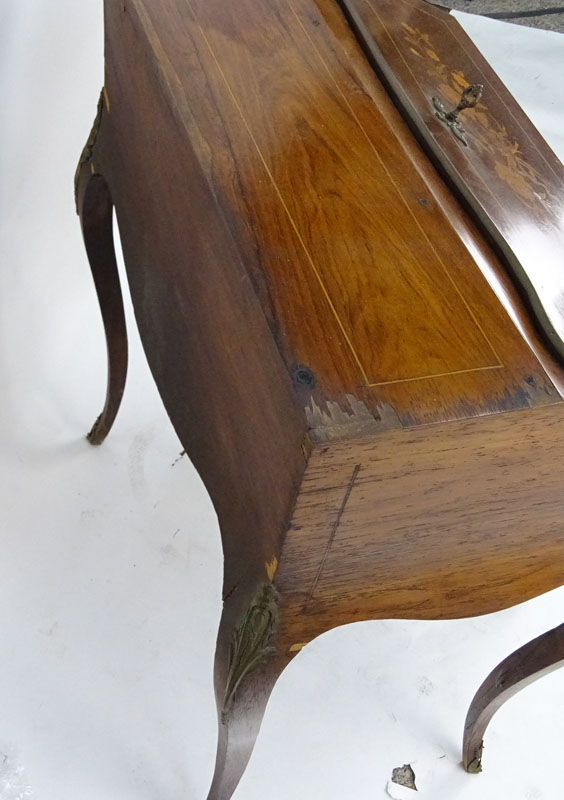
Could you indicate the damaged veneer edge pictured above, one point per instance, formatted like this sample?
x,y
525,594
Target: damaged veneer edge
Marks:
x,y
336,423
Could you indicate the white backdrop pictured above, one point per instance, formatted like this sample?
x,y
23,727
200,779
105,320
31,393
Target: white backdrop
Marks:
x,y
110,557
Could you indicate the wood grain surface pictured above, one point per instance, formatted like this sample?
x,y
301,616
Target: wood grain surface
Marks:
x,y
356,264
311,295
216,366
529,663
506,172
434,522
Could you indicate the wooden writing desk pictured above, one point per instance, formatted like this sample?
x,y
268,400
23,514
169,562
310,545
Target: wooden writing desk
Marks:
x,y
354,319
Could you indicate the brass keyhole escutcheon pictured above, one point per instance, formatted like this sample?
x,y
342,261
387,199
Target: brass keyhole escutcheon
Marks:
x,y
469,98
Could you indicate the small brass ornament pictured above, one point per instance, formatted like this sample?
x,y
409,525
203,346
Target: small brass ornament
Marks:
x,y
470,97
250,643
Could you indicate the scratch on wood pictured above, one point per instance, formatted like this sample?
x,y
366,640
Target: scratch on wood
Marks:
x,y
228,594
333,533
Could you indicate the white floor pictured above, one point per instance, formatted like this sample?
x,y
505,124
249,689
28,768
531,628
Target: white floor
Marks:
x,y
110,558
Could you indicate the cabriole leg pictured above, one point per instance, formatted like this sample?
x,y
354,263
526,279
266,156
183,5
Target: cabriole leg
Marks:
x,y
247,667
95,209
535,659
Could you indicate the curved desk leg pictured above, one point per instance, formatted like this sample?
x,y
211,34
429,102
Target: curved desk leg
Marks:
x,y
530,662
95,207
249,660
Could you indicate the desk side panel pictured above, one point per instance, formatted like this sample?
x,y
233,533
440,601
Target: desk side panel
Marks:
x,y
213,357
434,522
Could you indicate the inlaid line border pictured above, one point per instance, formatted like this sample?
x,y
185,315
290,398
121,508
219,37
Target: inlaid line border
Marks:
x,y
367,382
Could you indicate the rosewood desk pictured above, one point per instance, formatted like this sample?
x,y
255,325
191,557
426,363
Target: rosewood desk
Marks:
x,y
349,285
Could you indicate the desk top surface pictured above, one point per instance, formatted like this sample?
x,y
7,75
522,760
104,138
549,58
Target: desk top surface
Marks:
x,y
370,273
